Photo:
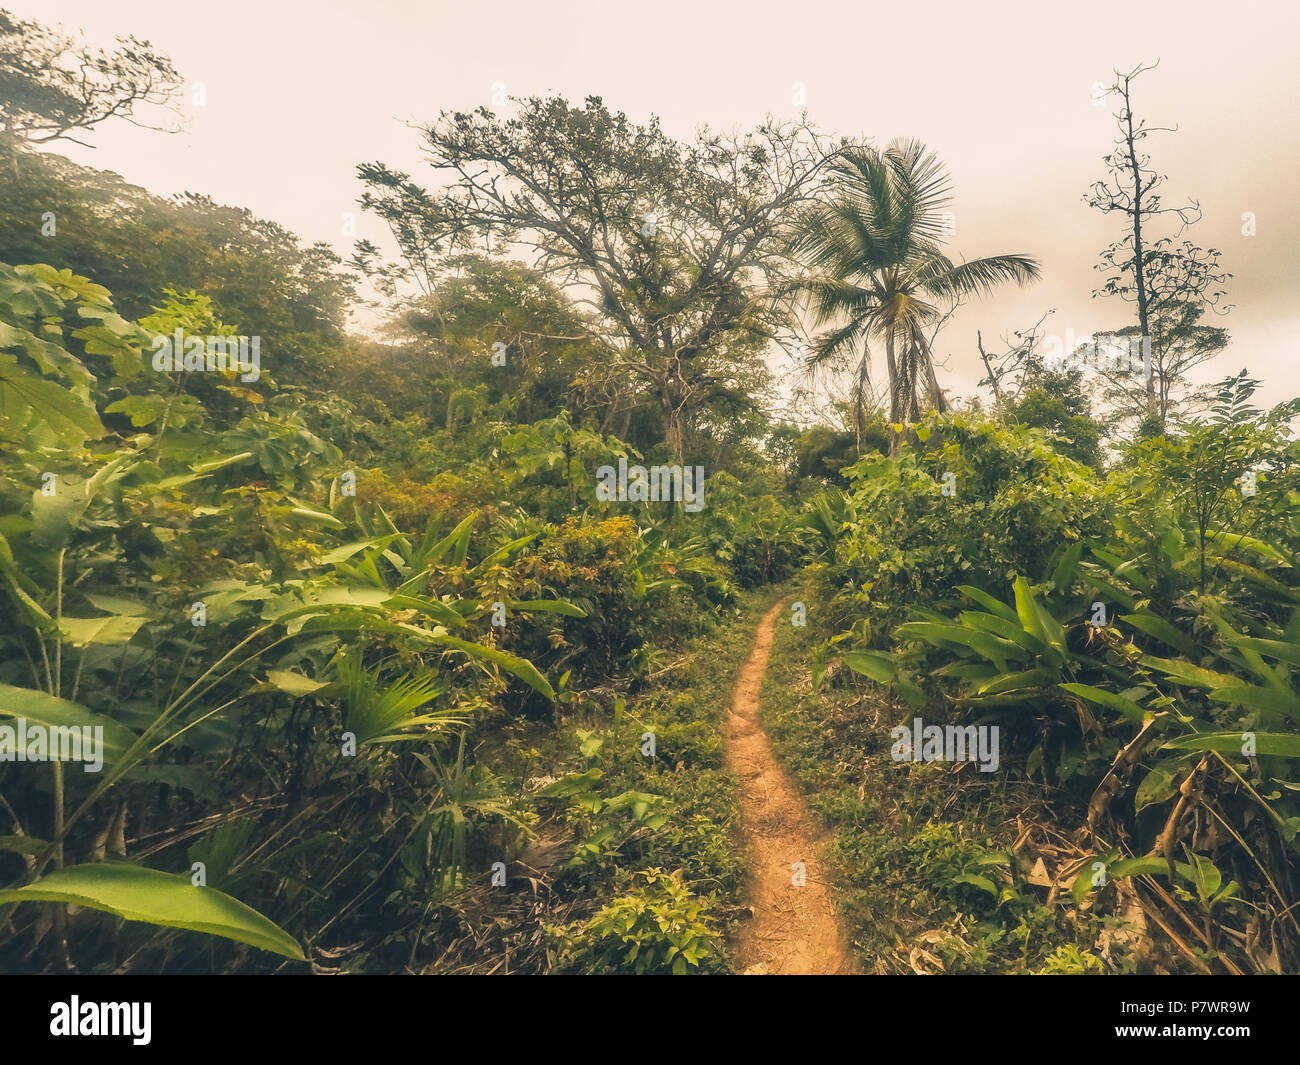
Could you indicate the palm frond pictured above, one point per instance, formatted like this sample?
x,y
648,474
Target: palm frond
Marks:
x,y
978,276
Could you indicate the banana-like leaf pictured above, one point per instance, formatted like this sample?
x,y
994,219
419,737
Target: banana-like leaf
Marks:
x,y
1278,650
988,602
112,631
1282,744
1272,699
1186,673
520,667
1035,619
45,710
1101,697
1154,625
1065,569
1032,678
549,606
877,667
138,894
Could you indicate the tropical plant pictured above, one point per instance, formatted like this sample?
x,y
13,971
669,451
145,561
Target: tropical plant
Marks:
x,y
880,272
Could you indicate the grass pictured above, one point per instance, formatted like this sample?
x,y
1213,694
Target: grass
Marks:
x,y
560,878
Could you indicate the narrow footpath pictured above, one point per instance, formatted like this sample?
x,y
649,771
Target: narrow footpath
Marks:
x,y
794,929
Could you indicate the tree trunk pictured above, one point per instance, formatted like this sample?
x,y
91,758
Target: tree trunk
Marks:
x,y
895,395
1139,269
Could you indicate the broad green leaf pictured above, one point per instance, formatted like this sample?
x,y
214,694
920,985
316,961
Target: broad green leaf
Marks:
x,y
988,602
549,606
521,668
502,553
1065,569
1186,673
1154,625
116,604
981,882
1278,650
1257,698
1033,678
430,607
293,683
22,845
342,554
42,709
877,667
111,631
995,649
1283,744
1235,540
1100,696
570,785
138,894
1157,786
24,397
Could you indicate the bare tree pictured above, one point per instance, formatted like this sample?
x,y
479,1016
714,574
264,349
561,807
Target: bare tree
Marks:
x,y
1010,370
1170,282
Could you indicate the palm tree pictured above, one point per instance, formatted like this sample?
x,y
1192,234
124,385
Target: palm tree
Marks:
x,y
879,272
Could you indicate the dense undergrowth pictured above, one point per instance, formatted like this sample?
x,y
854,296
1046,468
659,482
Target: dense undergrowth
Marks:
x,y
357,666
1131,635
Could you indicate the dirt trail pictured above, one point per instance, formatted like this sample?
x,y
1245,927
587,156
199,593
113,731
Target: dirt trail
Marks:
x,y
794,930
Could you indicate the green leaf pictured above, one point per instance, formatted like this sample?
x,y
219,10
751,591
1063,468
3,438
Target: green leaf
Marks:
x,y
1147,865
1127,707
1235,540
502,553
292,683
430,607
24,397
1283,744
342,554
877,667
995,649
988,602
1154,625
22,845
1157,786
116,604
549,606
981,882
110,631
570,785
1257,698
1033,678
1276,649
138,894
37,706
1065,569
521,668
1186,673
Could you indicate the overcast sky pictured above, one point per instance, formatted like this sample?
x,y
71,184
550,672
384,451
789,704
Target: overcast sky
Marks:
x,y
298,94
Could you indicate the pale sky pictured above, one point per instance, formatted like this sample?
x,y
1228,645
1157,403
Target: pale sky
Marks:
x,y
298,94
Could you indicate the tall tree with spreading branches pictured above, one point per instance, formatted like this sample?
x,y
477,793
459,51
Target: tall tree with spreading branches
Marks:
x,y
54,87
677,248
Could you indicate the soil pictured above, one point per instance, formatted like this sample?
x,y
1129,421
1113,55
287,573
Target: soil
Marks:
x,y
794,929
